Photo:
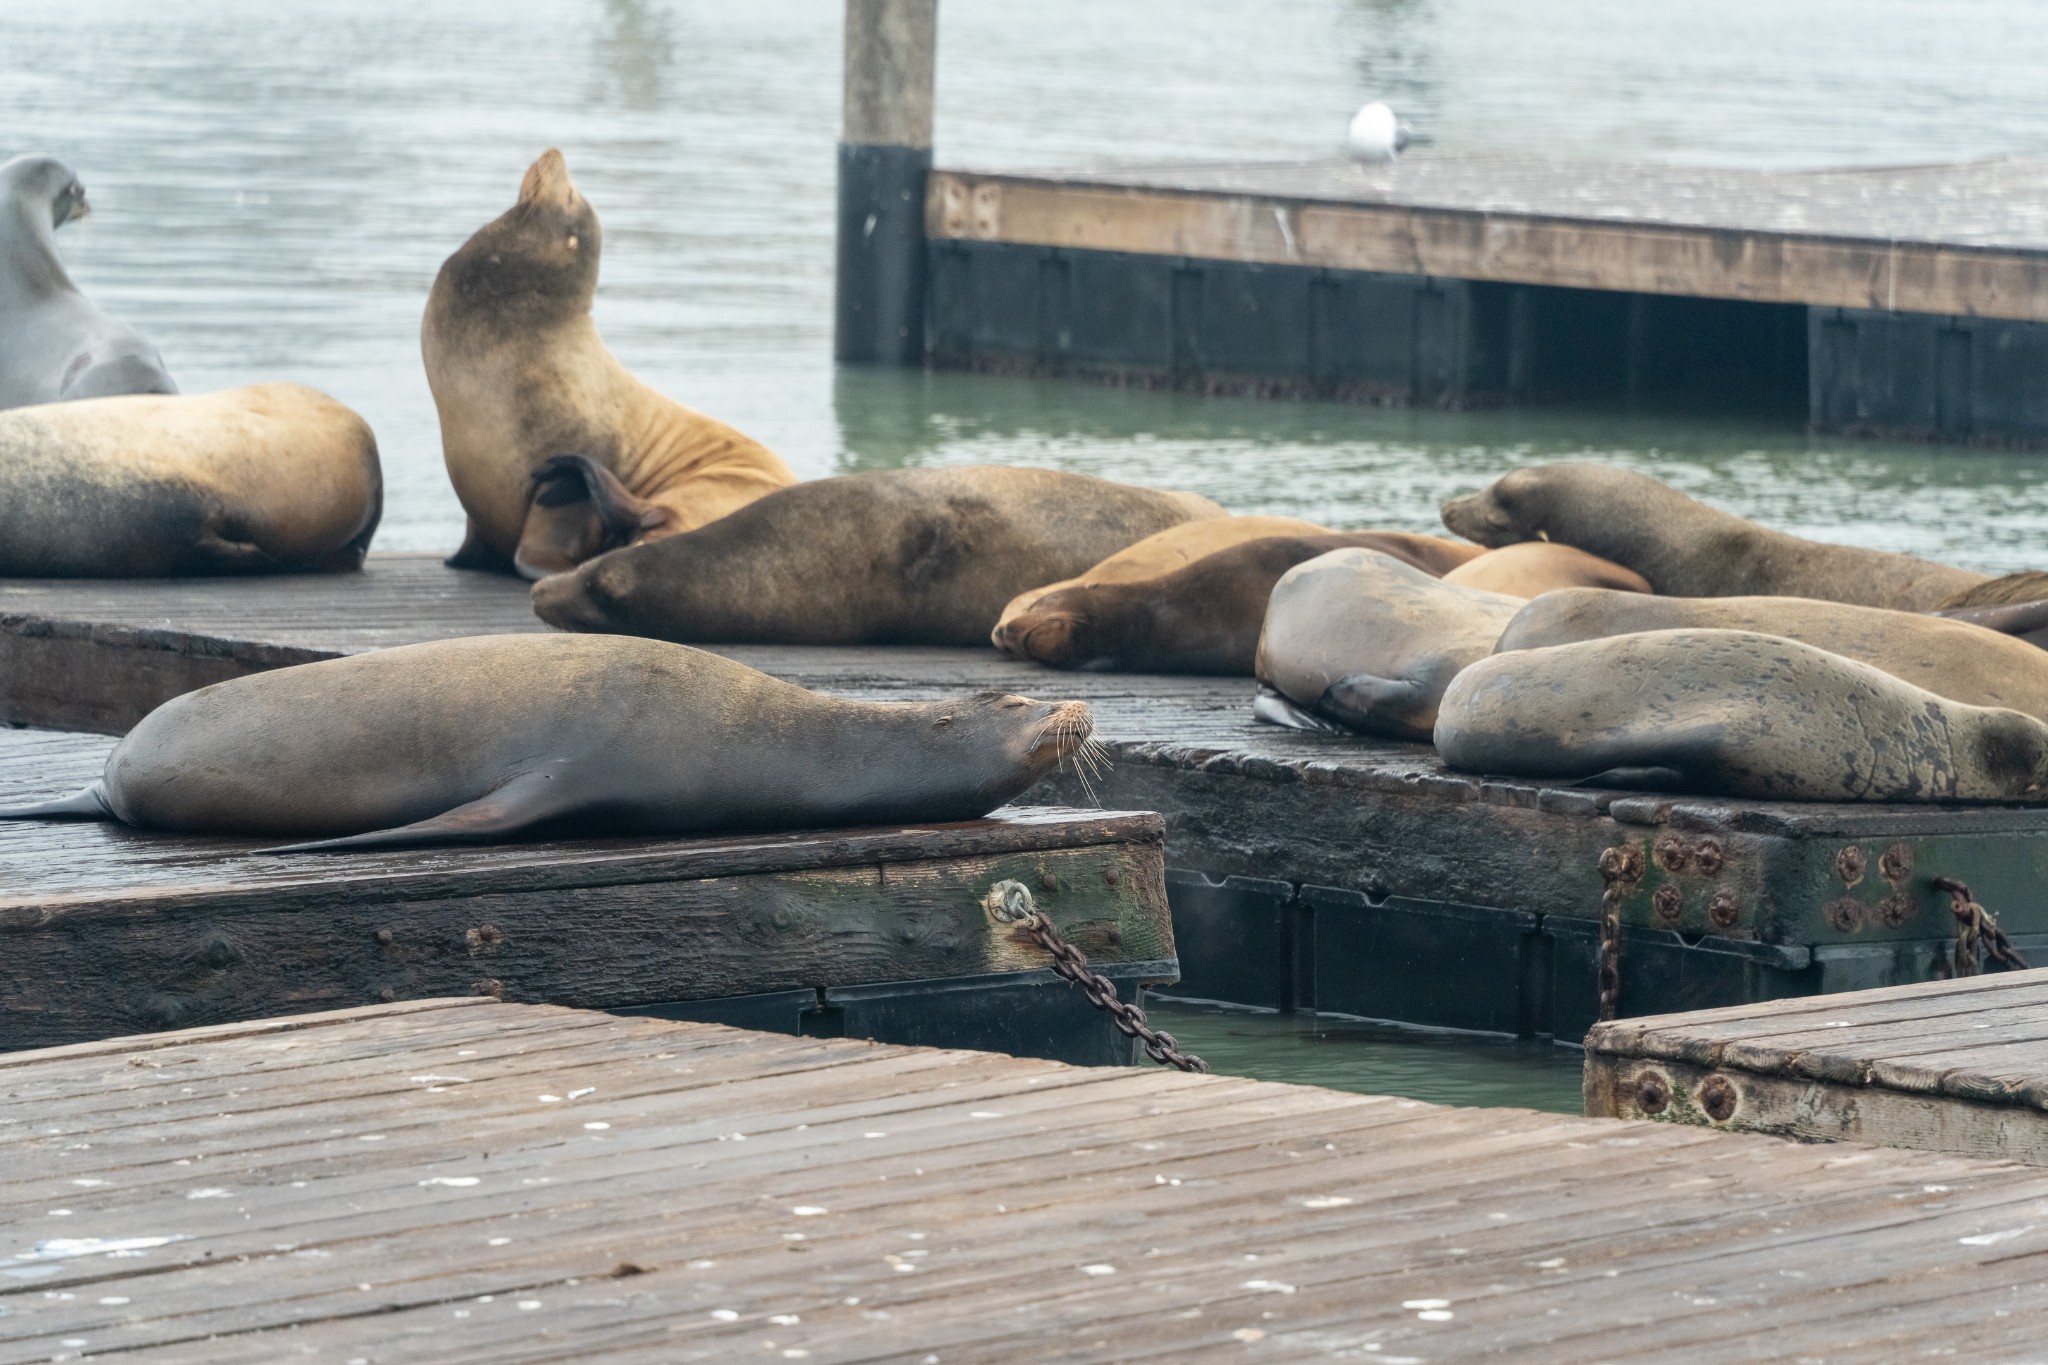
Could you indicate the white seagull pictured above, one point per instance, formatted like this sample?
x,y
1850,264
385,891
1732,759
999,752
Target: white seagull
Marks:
x,y
1375,137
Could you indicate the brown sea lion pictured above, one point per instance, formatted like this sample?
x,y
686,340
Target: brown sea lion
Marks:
x,y
1535,567
271,478
1202,618
1357,640
2016,605
1687,549
898,556
1948,658
483,738
556,452
1735,713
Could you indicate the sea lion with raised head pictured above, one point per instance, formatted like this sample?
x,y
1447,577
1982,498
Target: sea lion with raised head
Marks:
x,y
270,478
1535,567
556,451
488,737
1733,713
1949,658
57,344
1685,548
1202,618
1357,640
897,556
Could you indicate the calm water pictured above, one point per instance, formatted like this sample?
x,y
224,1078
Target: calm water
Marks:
x,y
276,184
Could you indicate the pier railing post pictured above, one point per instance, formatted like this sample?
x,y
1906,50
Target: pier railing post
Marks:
x,y
885,152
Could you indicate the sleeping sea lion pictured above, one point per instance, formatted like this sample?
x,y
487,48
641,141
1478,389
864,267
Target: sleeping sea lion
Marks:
x,y
898,556
275,477
56,343
1535,567
486,737
1360,639
1948,658
2016,605
1731,712
1687,549
1202,618
556,452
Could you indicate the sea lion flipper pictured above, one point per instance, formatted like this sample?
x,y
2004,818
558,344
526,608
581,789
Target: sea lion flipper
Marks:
x,y
2011,618
90,803
1274,709
479,554
527,800
1378,706
580,509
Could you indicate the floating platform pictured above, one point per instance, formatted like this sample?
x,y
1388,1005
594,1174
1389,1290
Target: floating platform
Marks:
x,y
878,933
467,1180
1306,872
1897,301
1950,1066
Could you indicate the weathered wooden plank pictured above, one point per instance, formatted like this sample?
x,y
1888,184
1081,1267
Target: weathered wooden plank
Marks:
x,y
1238,1219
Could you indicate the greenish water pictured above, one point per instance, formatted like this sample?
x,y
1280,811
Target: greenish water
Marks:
x,y
1376,1059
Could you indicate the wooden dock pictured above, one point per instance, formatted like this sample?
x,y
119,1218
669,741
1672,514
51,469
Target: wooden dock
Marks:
x,y
1898,301
471,1181
876,932
1950,1066
1343,874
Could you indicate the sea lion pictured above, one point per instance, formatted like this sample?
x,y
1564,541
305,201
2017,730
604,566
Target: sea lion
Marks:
x,y
1201,618
556,452
1687,549
57,344
1360,639
482,738
2015,604
1535,567
1948,658
274,477
897,556
1735,713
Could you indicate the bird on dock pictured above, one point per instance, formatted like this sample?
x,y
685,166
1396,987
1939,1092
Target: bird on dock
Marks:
x,y
1375,137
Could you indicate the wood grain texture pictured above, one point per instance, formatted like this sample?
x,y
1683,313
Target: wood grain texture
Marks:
x,y
480,1181
1961,239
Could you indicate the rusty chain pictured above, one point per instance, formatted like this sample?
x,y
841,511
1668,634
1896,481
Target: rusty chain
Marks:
x,y
1620,867
1976,932
1010,902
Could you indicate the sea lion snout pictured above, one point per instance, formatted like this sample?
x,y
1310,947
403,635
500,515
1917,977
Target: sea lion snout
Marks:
x,y
581,598
1479,518
1041,634
547,181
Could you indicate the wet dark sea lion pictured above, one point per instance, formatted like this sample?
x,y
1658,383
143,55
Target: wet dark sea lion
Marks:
x,y
483,738
56,343
1728,712
1949,658
1686,548
900,556
1358,640
1534,567
271,478
1202,618
556,451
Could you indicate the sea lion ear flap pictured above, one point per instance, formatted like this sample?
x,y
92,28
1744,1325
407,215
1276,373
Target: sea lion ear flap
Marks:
x,y
580,509
547,180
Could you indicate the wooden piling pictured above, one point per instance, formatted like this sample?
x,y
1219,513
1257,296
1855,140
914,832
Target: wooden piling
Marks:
x,y
885,153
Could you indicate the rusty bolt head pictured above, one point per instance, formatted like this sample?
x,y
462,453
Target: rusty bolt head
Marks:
x,y
1717,1098
1622,863
1667,902
1896,864
490,986
1047,881
1844,914
1849,864
387,995
1109,874
1671,853
1708,857
1653,1093
1723,909
1895,909
383,938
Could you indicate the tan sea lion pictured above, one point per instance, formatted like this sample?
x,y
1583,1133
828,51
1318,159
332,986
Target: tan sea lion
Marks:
x,y
483,738
897,556
1201,618
1948,658
1686,548
1357,640
1535,567
556,452
271,478
1735,713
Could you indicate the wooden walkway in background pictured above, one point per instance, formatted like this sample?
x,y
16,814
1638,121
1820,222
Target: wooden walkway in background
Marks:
x,y
468,1181
1951,1066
